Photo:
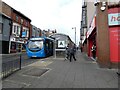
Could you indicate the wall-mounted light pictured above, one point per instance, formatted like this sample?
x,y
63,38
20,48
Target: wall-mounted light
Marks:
x,y
103,7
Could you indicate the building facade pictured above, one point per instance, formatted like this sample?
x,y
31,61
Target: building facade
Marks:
x,y
36,32
18,29
88,13
103,33
5,28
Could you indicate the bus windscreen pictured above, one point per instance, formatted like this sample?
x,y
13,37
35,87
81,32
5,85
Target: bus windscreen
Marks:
x,y
35,44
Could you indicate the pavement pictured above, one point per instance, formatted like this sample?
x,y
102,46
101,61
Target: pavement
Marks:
x,y
57,73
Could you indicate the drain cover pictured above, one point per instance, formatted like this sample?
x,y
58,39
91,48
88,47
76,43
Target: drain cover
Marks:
x,y
36,72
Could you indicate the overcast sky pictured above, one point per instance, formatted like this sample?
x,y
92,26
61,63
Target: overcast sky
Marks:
x,y
61,15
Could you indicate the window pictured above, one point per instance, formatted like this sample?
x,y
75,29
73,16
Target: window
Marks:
x,y
27,33
16,18
18,30
14,30
26,23
21,21
35,44
1,27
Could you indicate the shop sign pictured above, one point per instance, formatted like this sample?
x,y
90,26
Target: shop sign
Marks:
x,y
114,19
24,34
84,17
92,26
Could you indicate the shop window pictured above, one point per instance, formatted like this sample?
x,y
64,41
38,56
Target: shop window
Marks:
x,y
1,28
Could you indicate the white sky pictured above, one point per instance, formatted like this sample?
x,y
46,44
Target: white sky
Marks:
x,y
61,15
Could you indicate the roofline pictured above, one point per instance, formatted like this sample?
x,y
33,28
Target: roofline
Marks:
x,y
17,11
59,34
21,14
62,34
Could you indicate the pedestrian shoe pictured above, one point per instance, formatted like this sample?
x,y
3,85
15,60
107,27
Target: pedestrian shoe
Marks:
x,y
65,59
118,73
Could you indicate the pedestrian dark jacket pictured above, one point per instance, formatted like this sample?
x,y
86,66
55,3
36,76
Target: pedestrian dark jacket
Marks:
x,y
72,49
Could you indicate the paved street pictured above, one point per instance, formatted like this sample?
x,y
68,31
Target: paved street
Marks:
x,y
83,73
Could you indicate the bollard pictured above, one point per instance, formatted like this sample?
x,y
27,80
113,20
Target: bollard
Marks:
x,y
20,61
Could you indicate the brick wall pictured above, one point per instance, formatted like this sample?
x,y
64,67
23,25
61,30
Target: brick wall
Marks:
x,y
6,9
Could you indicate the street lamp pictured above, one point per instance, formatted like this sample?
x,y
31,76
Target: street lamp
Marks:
x,y
75,33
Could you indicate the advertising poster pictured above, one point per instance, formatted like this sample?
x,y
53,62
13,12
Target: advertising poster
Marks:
x,y
61,44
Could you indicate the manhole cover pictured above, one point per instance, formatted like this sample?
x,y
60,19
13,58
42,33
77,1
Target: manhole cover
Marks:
x,y
36,72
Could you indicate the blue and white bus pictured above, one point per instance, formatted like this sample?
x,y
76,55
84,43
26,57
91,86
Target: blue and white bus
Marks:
x,y
40,47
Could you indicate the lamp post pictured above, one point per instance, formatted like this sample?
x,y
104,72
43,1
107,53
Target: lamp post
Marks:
x,y
75,33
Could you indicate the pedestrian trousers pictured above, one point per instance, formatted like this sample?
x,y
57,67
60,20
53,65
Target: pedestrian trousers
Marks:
x,y
72,55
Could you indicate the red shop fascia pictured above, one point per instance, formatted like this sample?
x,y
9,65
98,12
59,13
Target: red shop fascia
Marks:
x,y
91,36
114,33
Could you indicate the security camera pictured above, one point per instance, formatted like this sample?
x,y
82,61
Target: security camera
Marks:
x,y
103,3
96,3
103,6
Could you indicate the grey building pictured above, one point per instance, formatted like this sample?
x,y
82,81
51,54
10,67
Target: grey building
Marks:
x,y
5,28
34,28
36,32
61,41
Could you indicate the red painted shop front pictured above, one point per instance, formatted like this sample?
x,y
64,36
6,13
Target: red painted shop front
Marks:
x,y
114,33
91,42
91,36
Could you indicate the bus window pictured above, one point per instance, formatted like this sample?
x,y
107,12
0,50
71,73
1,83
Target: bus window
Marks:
x,y
35,45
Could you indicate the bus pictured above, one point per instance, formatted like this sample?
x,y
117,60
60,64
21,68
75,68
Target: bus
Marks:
x,y
40,47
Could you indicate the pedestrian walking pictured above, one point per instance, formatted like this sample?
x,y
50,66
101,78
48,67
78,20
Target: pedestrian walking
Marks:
x,y
72,52
67,53
93,49
81,48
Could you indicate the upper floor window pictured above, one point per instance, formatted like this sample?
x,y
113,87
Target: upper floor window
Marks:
x,y
26,23
16,18
25,32
14,30
21,21
18,30
1,28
